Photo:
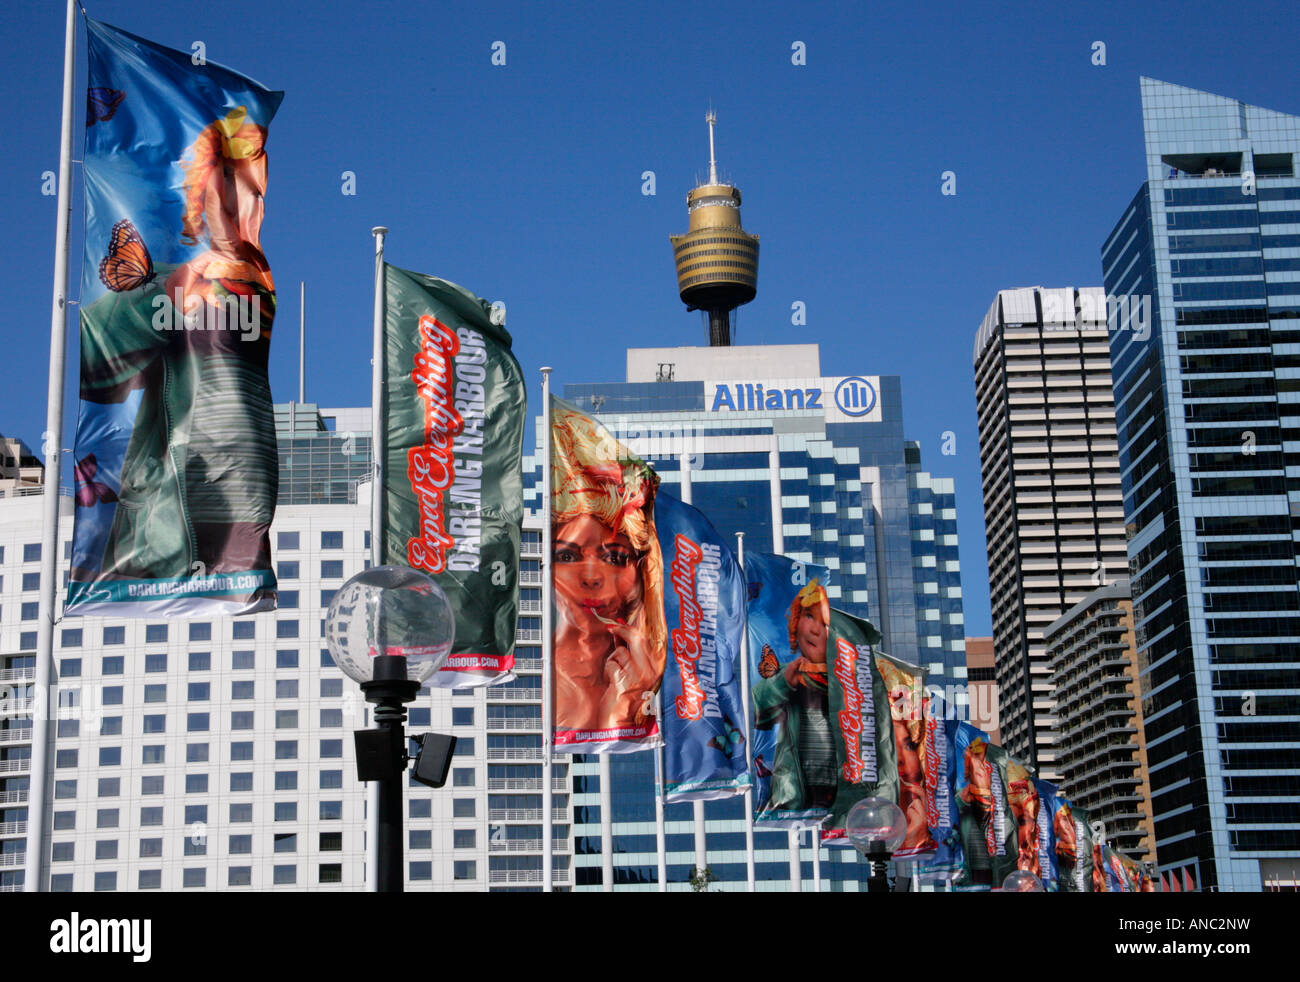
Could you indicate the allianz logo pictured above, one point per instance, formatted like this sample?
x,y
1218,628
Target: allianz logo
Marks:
x,y
853,396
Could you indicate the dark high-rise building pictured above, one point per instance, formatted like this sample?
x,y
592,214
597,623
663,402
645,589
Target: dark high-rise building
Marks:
x,y
1207,400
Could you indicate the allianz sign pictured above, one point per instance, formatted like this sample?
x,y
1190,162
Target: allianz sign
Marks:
x,y
853,396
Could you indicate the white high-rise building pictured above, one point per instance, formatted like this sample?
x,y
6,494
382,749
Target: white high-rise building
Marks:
x,y
218,753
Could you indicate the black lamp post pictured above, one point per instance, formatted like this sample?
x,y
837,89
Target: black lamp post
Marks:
x,y
390,628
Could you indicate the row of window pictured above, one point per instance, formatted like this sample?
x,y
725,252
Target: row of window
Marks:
x,y
238,876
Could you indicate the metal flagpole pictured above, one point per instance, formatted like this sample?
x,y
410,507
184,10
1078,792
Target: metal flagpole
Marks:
x,y
697,811
38,803
302,341
778,546
606,827
661,838
816,842
548,573
377,355
749,730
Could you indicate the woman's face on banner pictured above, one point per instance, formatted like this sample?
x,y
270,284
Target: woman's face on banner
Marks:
x,y
595,569
811,635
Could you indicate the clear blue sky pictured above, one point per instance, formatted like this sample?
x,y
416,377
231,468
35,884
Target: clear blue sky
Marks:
x,y
523,182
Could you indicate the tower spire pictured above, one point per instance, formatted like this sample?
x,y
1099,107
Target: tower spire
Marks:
x,y
711,118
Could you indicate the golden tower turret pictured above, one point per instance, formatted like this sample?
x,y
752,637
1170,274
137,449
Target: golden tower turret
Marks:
x,y
717,260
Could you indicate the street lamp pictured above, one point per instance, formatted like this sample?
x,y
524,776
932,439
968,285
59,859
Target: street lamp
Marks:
x,y
1022,881
390,628
876,828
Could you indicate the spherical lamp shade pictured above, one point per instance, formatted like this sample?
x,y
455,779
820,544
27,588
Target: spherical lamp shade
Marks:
x,y
1022,881
875,825
387,611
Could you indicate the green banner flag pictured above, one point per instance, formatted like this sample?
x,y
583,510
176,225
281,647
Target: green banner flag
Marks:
x,y
453,412
863,730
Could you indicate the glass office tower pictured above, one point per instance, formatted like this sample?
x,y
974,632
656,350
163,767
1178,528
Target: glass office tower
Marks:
x,y
810,466
1207,400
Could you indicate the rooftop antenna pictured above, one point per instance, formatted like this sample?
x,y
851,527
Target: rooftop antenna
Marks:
x,y
711,118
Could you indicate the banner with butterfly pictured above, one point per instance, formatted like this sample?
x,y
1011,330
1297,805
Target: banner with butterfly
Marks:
x,y
610,633
704,608
175,453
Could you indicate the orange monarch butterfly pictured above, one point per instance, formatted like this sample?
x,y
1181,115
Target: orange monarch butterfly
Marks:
x,y
768,665
128,264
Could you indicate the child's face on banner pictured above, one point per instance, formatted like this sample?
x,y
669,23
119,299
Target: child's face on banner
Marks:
x,y
810,634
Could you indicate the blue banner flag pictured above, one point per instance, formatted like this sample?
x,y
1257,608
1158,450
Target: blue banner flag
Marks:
x,y
175,455
704,605
793,752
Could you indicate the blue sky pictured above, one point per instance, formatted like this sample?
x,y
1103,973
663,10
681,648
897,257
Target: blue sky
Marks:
x,y
523,182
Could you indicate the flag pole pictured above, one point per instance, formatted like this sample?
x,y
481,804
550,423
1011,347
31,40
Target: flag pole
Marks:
x,y
376,514
697,809
661,838
778,546
749,734
815,840
302,341
38,802
548,640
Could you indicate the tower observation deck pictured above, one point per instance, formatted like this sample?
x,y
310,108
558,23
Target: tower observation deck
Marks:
x,y
717,260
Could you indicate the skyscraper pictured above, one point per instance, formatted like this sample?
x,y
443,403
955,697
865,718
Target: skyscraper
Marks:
x,y
1052,513
810,466
1205,407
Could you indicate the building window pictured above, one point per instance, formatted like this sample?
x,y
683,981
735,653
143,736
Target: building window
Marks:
x,y
286,780
284,875
465,869
196,784
196,845
286,842
330,749
419,839
423,808
241,845
197,722
241,661
331,811
286,719
110,787
105,881
286,749
61,883
69,668
241,720
464,747
64,821
196,753
286,629
421,871
241,781
110,726
155,634
331,540
30,610
331,569
286,540
331,779
151,848
286,811
330,718
106,849
65,758
155,724
287,600
462,777
113,665
200,661
287,658
31,581
153,753
331,688
150,879
243,630
462,716
69,727
241,811
109,756
198,691
194,877
62,852
464,838
462,808
32,552
331,873
151,816
196,813
419,716
114,635
239,876
155,693
286,570
241,690
155,663
287,688
241,750
71,637
200,632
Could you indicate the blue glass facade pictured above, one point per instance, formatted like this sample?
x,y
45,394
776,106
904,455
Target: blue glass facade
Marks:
x,y
850,495
1206,399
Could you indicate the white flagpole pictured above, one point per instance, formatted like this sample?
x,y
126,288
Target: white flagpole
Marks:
x,y
548,575
749,734
778,546
302,342
606,826
697,811
377,356
38,802
661,838
817,858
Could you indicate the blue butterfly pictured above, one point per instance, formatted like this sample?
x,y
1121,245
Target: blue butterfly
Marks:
x,y
730,741
102,103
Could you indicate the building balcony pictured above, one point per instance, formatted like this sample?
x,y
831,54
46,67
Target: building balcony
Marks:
x,y
13,797
18,674
530,755
12,830
533,876
528,845
23,735
13,859
497,723
496,693
15,766
524,814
